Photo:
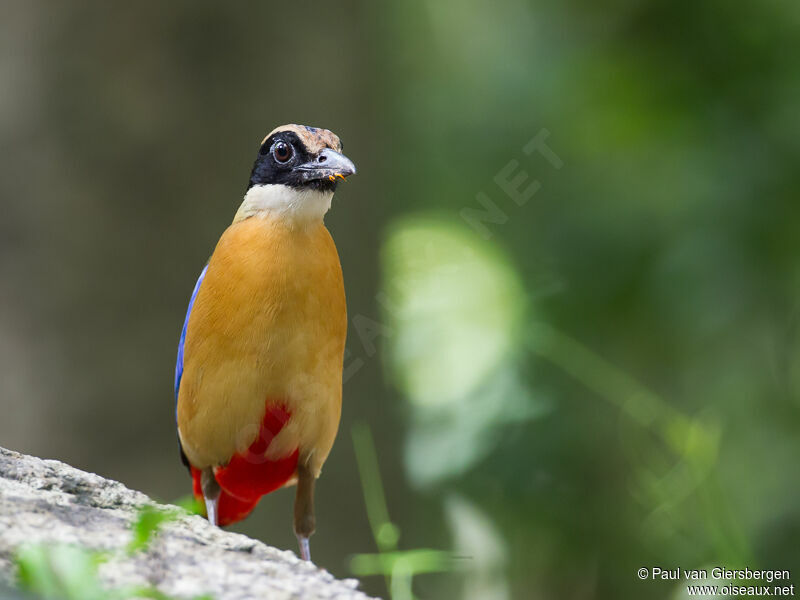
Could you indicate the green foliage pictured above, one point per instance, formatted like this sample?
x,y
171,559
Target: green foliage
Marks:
x,y
68,572
191,505
60,572
413,562
146,526
150,519
456,307
398,566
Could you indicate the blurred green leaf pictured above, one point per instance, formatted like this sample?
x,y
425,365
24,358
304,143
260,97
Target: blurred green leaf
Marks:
x,y
191,505
60,572
149,520
455,305
415,561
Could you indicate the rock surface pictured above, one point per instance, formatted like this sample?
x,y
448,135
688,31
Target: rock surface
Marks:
x,y
48,501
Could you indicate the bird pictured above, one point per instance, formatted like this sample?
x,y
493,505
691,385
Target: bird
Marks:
x,y
258,377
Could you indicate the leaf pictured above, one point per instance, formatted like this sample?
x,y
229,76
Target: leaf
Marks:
x,y
148,522
60,572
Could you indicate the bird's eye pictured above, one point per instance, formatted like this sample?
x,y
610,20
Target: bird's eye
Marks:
x,y
282,152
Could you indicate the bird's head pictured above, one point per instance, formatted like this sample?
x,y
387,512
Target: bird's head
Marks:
x,y
295,174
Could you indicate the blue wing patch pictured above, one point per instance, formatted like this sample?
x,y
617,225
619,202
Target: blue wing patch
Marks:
x,y
179,364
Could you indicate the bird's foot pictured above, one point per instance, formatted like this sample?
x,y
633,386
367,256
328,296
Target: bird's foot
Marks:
x,y
305,548
211,491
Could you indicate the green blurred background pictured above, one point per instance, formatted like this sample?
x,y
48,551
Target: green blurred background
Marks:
x,y
598,373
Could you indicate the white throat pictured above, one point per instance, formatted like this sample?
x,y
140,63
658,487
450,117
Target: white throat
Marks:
x,y
295,206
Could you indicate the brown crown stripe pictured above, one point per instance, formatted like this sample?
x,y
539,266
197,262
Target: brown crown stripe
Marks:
x,y
315,139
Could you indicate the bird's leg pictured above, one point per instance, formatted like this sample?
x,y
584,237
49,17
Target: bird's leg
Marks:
x,y
211,492
304,510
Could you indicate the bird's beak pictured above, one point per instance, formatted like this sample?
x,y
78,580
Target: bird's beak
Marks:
x,y
328,164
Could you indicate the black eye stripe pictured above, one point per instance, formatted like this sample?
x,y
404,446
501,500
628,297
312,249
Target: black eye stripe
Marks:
x,y
267,169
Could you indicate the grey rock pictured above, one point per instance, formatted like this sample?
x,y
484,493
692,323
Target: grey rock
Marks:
x,y
46,501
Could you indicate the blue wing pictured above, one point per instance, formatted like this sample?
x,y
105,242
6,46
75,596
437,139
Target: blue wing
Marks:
x,y
179,364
